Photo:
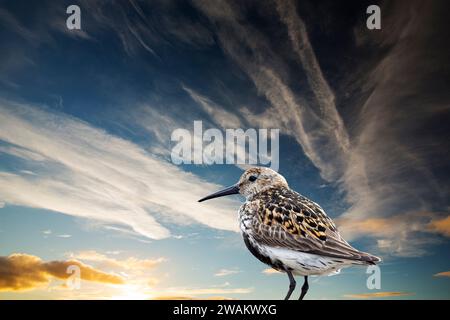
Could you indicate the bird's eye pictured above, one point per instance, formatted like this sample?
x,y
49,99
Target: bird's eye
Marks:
x,y
252,178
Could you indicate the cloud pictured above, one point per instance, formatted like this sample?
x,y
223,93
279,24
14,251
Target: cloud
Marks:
x,y
95,175
21,153
140,274
20,272
443,274
374,295
9,21
221,117
270,271
129,264
226,272
64,236
145,31
406,234
441,226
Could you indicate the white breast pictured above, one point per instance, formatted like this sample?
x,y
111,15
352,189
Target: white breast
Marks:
x,y
305,264
301,263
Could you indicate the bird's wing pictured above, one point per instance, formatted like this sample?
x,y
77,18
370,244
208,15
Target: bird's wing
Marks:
x,y
289,220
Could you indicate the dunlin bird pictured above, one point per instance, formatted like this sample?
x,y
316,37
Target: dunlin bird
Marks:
x,y
289,232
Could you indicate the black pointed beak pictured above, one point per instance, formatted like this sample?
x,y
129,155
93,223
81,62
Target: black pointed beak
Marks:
x,y
234,189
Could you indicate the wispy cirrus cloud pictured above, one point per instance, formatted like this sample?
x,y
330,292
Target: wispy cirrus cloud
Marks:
x,y
137,33
220,116
91,174
325,98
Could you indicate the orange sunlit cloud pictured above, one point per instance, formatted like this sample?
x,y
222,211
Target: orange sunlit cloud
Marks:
x,y
19,272
443,274
384,227
388,294
441,226
388,229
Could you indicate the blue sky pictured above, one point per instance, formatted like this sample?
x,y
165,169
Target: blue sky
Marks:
x,y
86,118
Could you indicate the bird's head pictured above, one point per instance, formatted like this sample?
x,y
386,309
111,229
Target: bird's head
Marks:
x,y
252,182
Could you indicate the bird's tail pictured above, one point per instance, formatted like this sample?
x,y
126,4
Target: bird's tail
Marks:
x,y
367,258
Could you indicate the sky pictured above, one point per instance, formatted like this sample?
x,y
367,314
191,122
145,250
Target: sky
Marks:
x,y
86,119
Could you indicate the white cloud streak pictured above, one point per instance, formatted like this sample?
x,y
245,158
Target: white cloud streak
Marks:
x,y
226,272
95,175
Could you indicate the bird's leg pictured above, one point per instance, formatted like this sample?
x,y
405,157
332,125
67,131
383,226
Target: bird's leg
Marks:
x,y
292,284
305,288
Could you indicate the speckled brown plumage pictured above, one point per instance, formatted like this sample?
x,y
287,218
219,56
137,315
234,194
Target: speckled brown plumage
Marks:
x,y
281,217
